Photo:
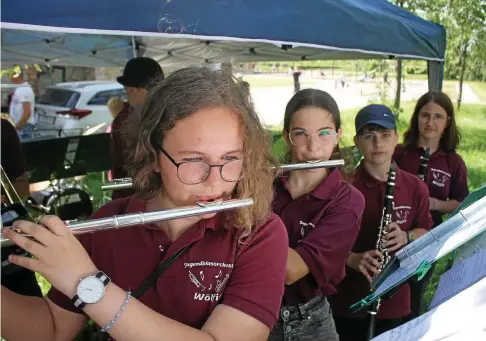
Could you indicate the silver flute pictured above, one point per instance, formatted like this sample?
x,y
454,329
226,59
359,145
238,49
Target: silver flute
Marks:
x,y
125,183
132,219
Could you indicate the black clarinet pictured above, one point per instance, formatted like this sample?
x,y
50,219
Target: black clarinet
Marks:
x,y
424,161
386,219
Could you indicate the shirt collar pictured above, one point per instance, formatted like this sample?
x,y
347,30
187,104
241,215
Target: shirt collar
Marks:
x,y
437,153
326,190
370,182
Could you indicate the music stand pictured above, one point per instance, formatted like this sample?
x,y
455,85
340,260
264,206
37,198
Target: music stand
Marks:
x,y
43,156
93,153
66,157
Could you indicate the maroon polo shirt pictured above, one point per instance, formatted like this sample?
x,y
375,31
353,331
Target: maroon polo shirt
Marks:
x,y
118,149
446,175
215,270
410,210
322,227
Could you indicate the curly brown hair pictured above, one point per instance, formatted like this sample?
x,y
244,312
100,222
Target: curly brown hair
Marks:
x,y
183,93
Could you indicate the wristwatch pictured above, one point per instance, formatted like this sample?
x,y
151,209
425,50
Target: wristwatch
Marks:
x,y
90,289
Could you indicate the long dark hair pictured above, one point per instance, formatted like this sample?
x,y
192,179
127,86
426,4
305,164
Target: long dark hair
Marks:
x,y
312,98
450,138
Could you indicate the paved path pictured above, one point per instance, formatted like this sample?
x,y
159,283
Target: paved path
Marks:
x,y
270,102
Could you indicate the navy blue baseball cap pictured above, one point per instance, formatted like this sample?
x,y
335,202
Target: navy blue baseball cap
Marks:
x,y
375,114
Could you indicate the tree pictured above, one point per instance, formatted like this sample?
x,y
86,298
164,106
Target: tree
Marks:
x,y
465,22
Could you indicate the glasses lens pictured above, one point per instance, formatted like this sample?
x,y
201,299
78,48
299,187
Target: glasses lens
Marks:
x,y
299,137
193,172
424,117
326,137
231,171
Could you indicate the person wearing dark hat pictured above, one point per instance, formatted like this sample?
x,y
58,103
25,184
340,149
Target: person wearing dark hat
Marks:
x,y
138,76
376,138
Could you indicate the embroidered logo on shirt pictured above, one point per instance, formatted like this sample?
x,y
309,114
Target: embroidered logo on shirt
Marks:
x,y
439,177
402,213
209,285
302,225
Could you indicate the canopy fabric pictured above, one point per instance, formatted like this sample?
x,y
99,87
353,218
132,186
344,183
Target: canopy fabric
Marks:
x,y
193,31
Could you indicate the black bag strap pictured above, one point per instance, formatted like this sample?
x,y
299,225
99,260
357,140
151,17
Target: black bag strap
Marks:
x,y
150,280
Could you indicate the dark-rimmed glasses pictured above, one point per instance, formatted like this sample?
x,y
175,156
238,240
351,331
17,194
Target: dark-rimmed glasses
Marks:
x,y
195,172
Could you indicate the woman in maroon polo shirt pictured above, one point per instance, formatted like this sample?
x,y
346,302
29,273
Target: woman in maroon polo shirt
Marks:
x,y
197,138
376,138
433,125
322,215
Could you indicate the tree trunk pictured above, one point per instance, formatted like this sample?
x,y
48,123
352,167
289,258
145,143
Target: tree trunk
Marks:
x,y
399,85
461,77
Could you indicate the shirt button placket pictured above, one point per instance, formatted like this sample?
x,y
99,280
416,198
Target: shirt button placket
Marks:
x,y
162,250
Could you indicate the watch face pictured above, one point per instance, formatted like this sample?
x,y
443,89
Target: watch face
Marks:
x,y
91,289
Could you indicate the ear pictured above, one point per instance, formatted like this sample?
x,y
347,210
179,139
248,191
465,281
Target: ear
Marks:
x,y
355,140
285,135
339,134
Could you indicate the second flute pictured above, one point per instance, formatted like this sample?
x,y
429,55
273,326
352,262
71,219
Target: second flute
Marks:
x,y
125,183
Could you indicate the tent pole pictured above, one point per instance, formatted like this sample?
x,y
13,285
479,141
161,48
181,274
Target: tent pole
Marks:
x,y
435,71
134,47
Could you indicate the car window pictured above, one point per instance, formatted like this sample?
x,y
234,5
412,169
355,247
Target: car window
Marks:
x,y
102,97
59,98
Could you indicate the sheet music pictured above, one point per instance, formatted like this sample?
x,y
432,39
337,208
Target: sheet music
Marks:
x,y
469,248
460,318
432,237
460,277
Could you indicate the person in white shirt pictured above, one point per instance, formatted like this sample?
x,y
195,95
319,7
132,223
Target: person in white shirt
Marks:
x,y
22,107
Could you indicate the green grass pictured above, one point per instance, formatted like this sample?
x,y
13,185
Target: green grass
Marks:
x,y
479,89
442,266
471,120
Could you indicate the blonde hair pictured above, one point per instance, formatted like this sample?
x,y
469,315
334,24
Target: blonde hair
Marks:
x,y
183,93
115,105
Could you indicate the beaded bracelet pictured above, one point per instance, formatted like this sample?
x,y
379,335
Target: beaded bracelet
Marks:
x,y
112,322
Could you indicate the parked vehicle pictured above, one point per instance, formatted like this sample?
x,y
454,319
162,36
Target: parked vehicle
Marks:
x,y
71,108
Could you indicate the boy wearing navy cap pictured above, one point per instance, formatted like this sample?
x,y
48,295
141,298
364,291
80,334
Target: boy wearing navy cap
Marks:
x,y
376,138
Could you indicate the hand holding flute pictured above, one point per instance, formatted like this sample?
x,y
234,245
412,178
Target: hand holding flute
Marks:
x,y
59,256
62,259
